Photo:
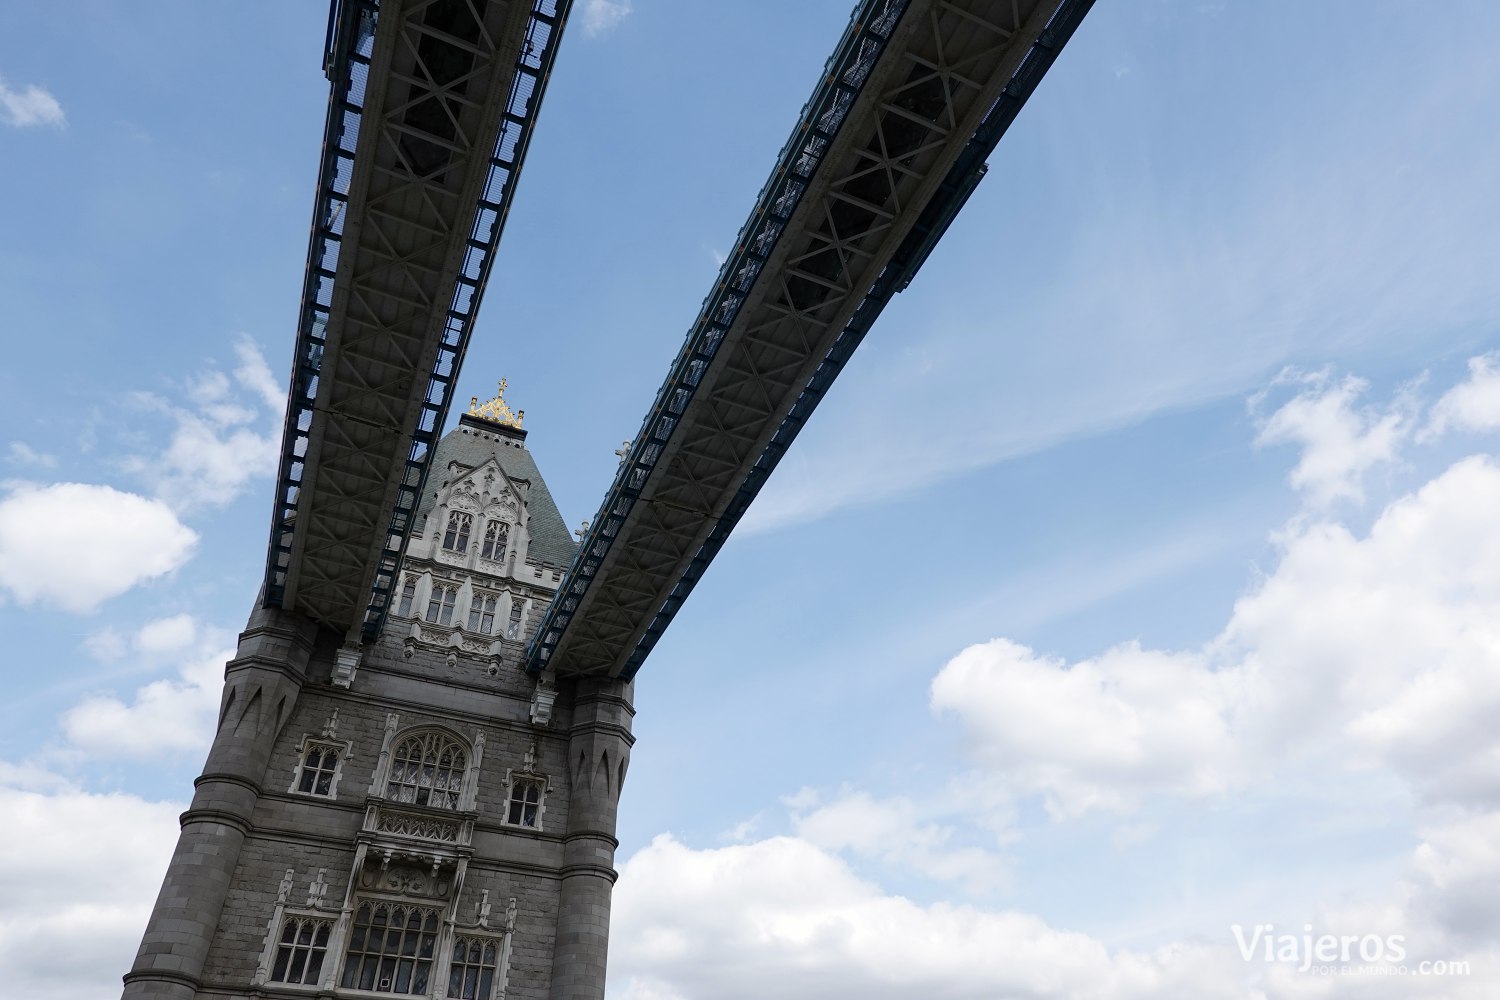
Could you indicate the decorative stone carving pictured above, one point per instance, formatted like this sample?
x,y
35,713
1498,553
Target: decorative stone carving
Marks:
x,y
317,890
407,879
542,700
346,665
418,827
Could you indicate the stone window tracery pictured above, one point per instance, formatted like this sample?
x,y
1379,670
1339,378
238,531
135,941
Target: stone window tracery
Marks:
x,y
427,769
320,764
440,604
482,613
525,805
471,974
496,541
320,761
301,949
456,538
391,948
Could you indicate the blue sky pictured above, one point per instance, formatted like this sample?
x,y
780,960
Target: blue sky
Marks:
x,y
1136,581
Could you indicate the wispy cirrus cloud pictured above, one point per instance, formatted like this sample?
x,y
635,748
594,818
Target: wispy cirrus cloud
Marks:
x,y
226,433
1164,284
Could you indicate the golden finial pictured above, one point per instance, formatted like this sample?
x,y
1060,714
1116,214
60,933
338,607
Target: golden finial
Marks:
x,y
497,410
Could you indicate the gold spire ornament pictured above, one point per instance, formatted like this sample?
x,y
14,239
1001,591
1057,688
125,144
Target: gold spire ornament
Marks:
x,y
497,410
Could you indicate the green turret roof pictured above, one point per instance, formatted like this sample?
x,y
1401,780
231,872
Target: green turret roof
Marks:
x,y
475,441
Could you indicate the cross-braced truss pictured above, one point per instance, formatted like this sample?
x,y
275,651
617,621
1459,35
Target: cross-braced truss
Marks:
x,y
432,108
890,146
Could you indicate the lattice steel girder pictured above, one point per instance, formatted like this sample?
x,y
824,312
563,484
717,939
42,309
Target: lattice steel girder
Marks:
x,y
433,101
904,95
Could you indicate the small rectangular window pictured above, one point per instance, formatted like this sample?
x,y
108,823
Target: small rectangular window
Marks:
x,y
301,950
456,537
408,594
525,802
482,613
318,767
471,975
440,605
513,630
496,539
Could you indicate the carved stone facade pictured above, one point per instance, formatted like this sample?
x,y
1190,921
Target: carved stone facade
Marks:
x,y
362,812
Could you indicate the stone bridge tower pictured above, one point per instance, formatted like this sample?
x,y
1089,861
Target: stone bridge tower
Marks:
x,y
425,819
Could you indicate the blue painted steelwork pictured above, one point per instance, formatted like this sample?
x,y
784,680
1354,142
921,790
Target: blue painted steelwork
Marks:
x,y
347,63
950,197
864,40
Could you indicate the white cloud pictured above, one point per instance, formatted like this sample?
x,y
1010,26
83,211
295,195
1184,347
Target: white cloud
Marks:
x,y
106,644
214,452
253,373
1473,404
23,454
1094,733
1340,441
76,545
167,635
601,16
724,923
67,889
29,106
166,715
899,833
1367,652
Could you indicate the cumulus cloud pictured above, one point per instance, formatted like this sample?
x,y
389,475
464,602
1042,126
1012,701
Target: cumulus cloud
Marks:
x,y
1375,652
1473,404
227,433
29,105
601,16
167,715
67,890
76,545
1341,441
896,832
1094,733
725,922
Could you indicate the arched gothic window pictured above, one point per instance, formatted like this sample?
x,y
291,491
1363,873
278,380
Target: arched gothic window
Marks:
x,y
513,630
525,806
471,975
496,539
482,613
440,603
427,769
301,950
456,538
319,766
408,594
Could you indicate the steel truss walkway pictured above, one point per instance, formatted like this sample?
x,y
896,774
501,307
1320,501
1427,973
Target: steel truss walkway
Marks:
x,y
889,147
432,107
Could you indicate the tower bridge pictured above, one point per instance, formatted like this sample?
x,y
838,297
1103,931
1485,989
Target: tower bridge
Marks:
x,y
422,738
